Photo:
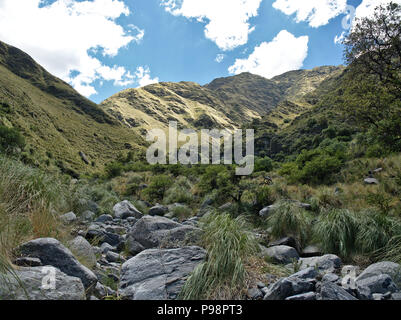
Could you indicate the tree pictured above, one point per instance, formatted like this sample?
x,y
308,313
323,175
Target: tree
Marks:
x,y
375,45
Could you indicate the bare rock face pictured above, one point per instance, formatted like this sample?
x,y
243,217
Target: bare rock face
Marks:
x,y
126,209
157,274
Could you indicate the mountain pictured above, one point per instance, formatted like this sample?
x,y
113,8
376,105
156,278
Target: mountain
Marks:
x,y
225,102
58,123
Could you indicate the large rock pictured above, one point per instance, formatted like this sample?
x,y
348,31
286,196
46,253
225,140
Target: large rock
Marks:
x,y
125,209
288,287
98,232
331,291
158,210
133,246
265,212
36,283
386,267
151,232
68,218
51,252
326,263
281,254
383,283
82,250
287,241
158,274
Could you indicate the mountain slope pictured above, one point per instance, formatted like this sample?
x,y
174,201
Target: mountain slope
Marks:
x,y
225,102
57,122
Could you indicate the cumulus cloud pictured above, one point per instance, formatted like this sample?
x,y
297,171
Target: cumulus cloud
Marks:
x,y
143,77
284,53
316,12
64,35
227,21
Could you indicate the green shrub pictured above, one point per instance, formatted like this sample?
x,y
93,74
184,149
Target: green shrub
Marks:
x,y
263,164
229,244
158,187
114,169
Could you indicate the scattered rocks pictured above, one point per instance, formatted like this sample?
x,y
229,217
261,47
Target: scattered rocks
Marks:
x,y
104,218
52,253
288,287
158,274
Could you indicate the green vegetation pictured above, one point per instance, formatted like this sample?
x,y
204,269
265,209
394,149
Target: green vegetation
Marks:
x,y
229,244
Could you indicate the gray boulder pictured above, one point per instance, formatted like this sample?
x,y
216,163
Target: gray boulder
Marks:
x,y
88,216
82,250
254,294
326,264
133,246
98,232
331,291
68,218
158,210
151,232
288,287
311,251
125,209
386,267
305,274
265,212
287,241
281,254
51,252
158,274
37,283
382,284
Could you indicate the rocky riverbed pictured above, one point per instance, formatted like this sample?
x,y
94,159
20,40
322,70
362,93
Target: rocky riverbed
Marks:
x,y
132,256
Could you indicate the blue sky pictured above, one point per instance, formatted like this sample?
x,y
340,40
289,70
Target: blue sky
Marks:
x,y
104,46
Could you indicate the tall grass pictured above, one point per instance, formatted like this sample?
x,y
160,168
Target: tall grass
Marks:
x,y
222,275
288,219
29,201
337,231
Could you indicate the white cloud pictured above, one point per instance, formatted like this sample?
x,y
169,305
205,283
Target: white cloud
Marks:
x,y
340,38
284,53
143,77
227,21
316,12
220,57
63,35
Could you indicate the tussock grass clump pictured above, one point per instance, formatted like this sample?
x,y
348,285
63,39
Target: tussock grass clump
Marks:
x,y
288,219
222,275
376,231
29,200
337,230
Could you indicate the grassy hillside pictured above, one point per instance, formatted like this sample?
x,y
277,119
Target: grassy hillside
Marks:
x,y
225,102
55,120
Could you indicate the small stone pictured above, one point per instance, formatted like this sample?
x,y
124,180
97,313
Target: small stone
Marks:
x,y
371,181
68,218
254,294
